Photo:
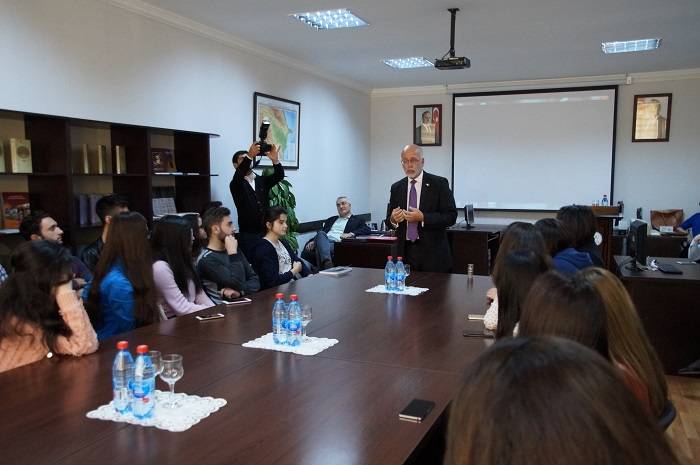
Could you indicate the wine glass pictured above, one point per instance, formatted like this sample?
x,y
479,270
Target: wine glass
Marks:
x,y
306,313
156,360
171,372
407,267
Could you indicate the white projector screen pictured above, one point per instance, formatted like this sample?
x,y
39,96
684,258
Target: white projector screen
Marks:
x,y
533,150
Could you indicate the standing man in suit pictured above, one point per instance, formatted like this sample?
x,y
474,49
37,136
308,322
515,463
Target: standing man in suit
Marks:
x,y
250,194
421,207
336,228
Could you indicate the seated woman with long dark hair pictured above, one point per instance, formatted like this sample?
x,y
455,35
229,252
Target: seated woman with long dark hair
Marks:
x,y
273,259
178,286
122,294
40,313
546,400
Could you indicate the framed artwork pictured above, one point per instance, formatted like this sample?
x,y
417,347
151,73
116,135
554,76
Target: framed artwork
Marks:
x,y
427,125
283,116
652,118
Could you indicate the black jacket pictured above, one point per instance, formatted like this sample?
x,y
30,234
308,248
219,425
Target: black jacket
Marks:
x,y
91,254
266,264
354,225
251,204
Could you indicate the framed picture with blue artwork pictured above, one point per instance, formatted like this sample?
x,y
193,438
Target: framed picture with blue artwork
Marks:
x,y
284,116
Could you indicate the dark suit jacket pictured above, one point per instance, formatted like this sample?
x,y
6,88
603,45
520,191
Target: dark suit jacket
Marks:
x,y
251,204
438,206
354,225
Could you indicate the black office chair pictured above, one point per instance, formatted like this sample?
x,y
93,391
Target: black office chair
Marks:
x,y
667,416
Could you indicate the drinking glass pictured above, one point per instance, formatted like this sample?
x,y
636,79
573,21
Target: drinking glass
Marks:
x,y
172,371
407,267
157,361
306,314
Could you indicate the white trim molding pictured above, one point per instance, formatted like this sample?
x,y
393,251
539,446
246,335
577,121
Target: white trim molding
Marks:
x,y
180,22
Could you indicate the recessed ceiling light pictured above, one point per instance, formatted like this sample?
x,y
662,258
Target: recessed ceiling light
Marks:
x,y
408,63
631,45
330,19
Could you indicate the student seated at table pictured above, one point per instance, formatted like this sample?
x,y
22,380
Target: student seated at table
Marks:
x,y
223,267
578,227
628,344
570,307
519,235
178,286
40,313
546,400
565,258
514,274
273,259
122,295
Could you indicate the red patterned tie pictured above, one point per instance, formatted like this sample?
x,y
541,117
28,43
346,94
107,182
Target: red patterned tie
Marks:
x,y
412,227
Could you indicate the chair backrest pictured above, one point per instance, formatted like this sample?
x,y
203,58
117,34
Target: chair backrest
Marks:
x,y
667,416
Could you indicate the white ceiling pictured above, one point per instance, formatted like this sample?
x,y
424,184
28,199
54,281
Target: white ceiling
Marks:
x,y
505,39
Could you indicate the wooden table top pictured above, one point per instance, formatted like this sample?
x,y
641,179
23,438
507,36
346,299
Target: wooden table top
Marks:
x,y
691,271
340,406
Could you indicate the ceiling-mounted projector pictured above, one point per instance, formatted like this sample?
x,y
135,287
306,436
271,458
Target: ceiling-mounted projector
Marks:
x,y
449,60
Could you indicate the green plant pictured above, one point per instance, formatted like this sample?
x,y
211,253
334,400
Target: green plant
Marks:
x,y
281,194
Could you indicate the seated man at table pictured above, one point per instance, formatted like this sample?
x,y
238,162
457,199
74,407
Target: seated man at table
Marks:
x,y
224,270
336,228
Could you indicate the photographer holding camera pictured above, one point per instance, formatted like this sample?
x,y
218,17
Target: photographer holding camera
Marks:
x,y
250,192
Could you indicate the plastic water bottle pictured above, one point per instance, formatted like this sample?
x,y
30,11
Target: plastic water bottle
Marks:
x,y
122,377
144,384
294,321
279,319
389,274
400,274
605,201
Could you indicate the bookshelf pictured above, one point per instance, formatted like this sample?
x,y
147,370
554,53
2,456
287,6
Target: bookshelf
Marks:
x,y
58,172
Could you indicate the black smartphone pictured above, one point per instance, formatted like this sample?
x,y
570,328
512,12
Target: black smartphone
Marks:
x,y
485,333
210,316
417,410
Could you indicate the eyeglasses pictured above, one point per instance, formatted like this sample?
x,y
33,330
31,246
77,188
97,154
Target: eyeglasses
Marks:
x,y
412,161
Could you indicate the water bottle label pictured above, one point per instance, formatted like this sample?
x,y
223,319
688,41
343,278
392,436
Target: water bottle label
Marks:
x,y
293,325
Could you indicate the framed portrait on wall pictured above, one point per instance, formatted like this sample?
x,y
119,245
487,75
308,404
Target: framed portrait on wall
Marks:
x,y
652,118
284,116
427,125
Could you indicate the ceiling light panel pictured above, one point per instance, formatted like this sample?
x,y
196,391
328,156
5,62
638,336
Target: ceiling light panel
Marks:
x,y
330,19
631,46
408,63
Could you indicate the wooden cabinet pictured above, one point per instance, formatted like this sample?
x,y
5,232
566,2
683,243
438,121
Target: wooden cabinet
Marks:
x,y
58,174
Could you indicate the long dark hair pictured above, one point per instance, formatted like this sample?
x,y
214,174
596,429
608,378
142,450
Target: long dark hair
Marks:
x,y
530,401
513,278
566,306
128,246
551,231
171,242
27,297
578,224
520,235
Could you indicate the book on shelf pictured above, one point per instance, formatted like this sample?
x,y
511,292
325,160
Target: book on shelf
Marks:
x,y
163,206
15,206
83,207
120,155
92,200
103,160
21,155
3,168
163,160
81,160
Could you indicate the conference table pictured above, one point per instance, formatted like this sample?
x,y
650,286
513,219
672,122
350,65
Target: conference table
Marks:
x,y
340,406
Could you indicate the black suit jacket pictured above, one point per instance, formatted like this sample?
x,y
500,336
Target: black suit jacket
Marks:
x,y
438,206
251,204
354,225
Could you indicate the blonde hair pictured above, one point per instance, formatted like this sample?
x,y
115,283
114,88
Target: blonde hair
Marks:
x,y
628,343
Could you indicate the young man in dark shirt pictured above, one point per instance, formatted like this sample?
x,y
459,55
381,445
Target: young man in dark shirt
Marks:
x,y
222,267
250,193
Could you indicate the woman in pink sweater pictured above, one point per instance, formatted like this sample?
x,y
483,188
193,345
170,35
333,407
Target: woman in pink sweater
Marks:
x,y
179,288
40,313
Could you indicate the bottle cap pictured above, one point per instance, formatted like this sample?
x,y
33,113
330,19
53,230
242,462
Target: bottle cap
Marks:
x,y
389,257
399,258
279,295
121,345
142,349
294,297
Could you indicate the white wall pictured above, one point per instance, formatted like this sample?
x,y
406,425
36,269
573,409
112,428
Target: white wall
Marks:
x,y
657,175
88,59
